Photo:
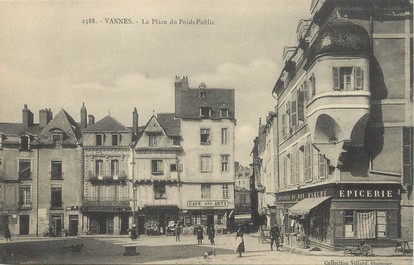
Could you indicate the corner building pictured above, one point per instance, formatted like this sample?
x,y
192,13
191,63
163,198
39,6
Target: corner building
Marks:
x,y
345,125
207,117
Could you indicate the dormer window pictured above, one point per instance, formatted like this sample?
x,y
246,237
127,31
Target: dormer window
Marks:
x,y
24,142
57,139
116,139
205,112
202,94
99,139
152,140
224,113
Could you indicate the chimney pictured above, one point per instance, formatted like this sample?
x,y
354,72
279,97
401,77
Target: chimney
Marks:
x,y
181,83
83,116
44,117
91,120
135,121
49,115
27,117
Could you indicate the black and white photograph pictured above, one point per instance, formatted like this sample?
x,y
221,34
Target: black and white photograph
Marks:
x,y
206,132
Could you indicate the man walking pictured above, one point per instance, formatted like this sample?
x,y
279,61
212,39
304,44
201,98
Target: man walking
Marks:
x,y
274,236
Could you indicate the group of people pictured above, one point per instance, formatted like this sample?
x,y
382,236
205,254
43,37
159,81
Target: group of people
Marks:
x,y
211,232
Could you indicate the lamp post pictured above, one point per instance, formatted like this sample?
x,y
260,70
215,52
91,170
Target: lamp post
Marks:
x,y
134,189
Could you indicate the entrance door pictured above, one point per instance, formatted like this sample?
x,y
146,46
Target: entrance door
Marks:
x,y
24,225
102,224
210,220
73,225
124,225
110,225
56,221
141,224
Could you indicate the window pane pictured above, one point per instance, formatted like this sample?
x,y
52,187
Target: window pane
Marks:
x,y
24,169
56,168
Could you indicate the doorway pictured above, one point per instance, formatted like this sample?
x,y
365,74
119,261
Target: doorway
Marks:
x,y
73,225
56,224
210,220
124,225
24,224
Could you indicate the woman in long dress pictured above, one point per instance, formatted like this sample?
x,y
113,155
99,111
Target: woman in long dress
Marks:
x,y
239,242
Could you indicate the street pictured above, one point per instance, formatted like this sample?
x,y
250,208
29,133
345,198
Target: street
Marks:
x,y
165,250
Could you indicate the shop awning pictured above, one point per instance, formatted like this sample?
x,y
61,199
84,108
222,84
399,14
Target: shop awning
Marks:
x,y
304,206
164,207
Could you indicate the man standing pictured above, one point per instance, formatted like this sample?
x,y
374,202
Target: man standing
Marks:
x,y
177,232
212,235
274,236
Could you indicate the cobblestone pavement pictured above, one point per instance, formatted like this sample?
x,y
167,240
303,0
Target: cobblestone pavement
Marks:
x,y
165,250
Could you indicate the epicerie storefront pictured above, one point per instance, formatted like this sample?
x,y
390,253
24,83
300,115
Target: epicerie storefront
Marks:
x,y
337,214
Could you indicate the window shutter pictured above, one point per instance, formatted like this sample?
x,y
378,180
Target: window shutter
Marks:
x,y
407,156
315,163
283,125
293,111
358,78
336,78
301,106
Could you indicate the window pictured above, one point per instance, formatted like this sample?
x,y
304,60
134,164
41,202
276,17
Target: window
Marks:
x,y
224,113
348,78
57,139
24,142
312,81
220,219
176,141
224,136
205,164
115,139
205,191
99,169
285,171
243,199
349,223
159,191
205,136
202,94
322,167
308,162
205,112
56,170
99,140
24,169
114,168
173,167
301,105
224,163
56,198
157,167
152,140
407,155
293,113
25,197
225,188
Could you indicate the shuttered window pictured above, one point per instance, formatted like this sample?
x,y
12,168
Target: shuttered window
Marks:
x,y
407,155
358,78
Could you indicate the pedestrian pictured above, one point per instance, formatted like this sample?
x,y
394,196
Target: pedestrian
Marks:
x,y
177,232
200,236
7,234
274,236
239,242
134,232
211,235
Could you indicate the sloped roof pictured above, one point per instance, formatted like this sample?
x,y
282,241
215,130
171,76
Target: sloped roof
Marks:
x,y
155,128
62,121
107,124
17,128
190,102
170,124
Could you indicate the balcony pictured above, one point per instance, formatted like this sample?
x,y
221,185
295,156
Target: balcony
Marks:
x,y
106,178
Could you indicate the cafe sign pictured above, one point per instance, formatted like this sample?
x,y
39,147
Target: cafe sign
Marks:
x,y
207,203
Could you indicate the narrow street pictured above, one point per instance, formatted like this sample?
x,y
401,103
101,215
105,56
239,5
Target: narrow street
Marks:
x,y
165,250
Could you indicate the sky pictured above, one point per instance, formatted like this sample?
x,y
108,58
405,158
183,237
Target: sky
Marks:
x,y
51,58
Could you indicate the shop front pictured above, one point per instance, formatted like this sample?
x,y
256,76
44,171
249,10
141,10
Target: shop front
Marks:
x,y
105,220
155,219
340,214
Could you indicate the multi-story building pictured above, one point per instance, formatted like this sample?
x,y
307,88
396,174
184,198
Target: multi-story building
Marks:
x,y
41,179
207,118
345,125
242,202
156,173
106,205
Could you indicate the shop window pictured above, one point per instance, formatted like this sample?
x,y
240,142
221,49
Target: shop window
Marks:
x,y
152,140
24,169
157,167
225,188
56,170
205,136
220,219
224,136
224,163
196,219
381,223
159,191
25,197
205,191
205,163
349,223
56,198
347,78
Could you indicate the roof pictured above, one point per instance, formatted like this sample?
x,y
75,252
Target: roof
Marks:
x,y
239,188
107,124
62,121
170,124
17,128
215,98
